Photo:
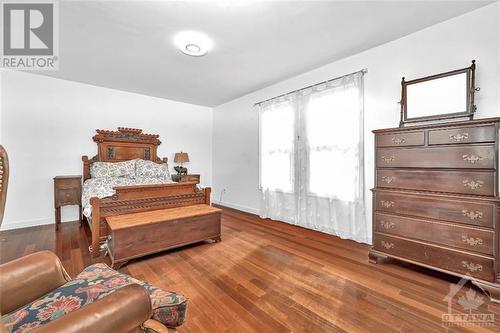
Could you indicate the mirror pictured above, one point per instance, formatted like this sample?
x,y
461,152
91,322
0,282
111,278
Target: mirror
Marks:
x,y
443,96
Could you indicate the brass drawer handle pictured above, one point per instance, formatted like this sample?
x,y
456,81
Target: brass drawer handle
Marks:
x,y
473,158
388,159
398,141
387,224
459,137
472,267
387,245
388,179
387,204
473,185
473,215
472,241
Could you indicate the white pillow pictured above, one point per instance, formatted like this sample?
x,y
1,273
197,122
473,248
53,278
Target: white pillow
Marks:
x,y
145,168
113,169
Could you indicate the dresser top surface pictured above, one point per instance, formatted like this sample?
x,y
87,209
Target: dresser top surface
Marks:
x,y
68,177
475,122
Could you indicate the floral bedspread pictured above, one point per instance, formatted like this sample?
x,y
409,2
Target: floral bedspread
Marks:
x,y
103,188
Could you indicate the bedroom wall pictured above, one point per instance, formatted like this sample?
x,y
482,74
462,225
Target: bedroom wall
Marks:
x,y
47,124
446,46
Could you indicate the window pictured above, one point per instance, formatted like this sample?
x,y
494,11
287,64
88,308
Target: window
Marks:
x,y
332,131
311,158
327,143
277,147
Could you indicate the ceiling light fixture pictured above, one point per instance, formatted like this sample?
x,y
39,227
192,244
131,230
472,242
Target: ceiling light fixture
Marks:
x,y
193,43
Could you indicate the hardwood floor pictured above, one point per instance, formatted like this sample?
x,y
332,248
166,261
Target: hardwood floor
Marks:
x,y
268,276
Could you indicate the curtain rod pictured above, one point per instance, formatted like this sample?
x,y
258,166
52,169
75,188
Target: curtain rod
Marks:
x,y
364,71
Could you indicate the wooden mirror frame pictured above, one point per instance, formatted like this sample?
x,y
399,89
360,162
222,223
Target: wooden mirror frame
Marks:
x,y
471,89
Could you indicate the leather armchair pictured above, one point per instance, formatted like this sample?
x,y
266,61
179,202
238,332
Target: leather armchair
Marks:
x,y
28,278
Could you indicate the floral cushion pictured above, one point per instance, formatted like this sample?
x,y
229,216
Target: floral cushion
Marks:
x,y
95,282
151,169
115,169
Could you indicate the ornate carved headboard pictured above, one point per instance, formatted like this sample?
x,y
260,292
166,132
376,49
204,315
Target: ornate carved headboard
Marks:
x,y
122,145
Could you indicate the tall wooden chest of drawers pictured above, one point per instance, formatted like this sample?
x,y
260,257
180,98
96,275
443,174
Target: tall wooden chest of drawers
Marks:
x,y
436,201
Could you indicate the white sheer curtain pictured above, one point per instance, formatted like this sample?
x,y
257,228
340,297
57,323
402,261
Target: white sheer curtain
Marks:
x,y
311,158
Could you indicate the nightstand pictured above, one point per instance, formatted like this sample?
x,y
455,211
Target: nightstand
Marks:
x,y
67,191
186,178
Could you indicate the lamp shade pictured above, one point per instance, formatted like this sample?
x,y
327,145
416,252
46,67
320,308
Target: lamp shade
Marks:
x,y
181,157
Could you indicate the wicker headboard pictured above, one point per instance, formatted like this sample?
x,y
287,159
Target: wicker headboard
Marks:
x,y
4,180
122,145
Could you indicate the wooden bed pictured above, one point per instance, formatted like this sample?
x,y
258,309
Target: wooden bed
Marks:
x,y
127,144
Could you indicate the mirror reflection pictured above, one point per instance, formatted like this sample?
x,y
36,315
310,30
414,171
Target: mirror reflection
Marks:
x,y
440,96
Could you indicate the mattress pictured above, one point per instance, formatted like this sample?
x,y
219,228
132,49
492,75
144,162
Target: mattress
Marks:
x,y
104,187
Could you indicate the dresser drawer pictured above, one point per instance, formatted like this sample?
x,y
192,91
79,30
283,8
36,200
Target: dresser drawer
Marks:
x,y
68,182
437,157
186,178
190,178
477,266
463,182
434,207
400,139
453,235
67,196
462,135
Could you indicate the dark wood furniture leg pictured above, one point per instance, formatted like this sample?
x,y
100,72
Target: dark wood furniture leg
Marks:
x,y
58,217
118,265
374,258
81,215
493,291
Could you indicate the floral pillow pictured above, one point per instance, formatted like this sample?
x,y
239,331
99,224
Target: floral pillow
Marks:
x,y
145,168
116,169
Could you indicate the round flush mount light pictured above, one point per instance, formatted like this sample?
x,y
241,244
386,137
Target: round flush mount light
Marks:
x,y
193,43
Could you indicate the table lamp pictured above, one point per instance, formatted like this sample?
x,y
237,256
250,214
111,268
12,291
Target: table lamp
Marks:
x,y
181,158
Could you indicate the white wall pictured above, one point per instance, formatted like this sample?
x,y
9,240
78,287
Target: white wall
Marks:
x,y
446,46
47,124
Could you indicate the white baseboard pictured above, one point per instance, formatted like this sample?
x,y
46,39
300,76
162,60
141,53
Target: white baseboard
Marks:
x,y
6,225
237,207
28,223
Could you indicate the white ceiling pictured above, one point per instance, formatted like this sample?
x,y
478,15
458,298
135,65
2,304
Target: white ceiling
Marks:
x,y
128,45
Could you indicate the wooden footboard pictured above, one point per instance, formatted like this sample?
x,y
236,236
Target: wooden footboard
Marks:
x,y
140,198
